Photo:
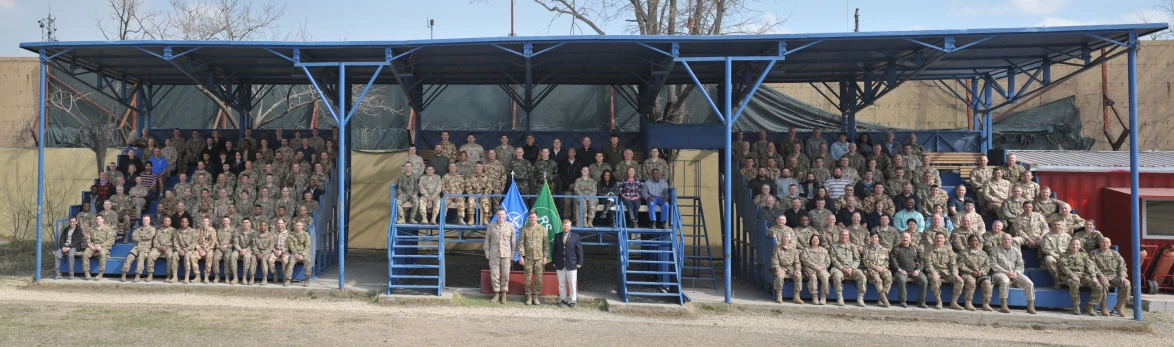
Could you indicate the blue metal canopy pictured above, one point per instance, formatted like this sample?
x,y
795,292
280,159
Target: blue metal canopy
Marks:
x,y
602,60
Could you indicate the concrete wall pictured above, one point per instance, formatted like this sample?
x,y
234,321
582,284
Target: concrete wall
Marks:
x,y
19,80
68,172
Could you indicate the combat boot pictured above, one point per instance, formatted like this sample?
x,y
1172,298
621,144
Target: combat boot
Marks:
x,y
1031,306
1104,307
939,305
264,277
1120,308
778,296
496,297
136,280
1090,309
150,277
504,298
860,301
986,298
123,277
954,305
884,301
537,299
529,299
87,275
840,300
1003,306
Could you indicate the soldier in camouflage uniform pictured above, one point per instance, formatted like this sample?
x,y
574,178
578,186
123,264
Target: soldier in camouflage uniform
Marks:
x,y
996,191
855,160
321,176
1013,206
655,163
98,243
819,215
974,265
941,266
85,218
969,212
498,246
545,171
478,183
830,231
1089,235
453,184
167,205
623,165
179,144
475,151
266,203
521,171
875,264
497,175
143,236
446,147
889,236
505,151
186,246
845,259
959,238
222,252
779,229
264,244
242,245
123,209
822,153
933,198
815,262
192,148
1030,227
220,207
1070,221
1013,171
584,209
281,248
1030,189
533,244
748,170
429,184
821,172
1007,269
303,216
287,201
1113,274
857,232
804,231
464,166
1044,203
1077,269
205,248
298,246
772,169
1052,247
879,196
598,167
785,264
311,204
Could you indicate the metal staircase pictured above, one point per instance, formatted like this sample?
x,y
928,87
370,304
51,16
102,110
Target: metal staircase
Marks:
x,y
650,261
693,239
415,257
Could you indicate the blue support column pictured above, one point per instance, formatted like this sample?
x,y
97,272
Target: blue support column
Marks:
x,y
1134,200
988,130
974,101
342,176
728,186
42,119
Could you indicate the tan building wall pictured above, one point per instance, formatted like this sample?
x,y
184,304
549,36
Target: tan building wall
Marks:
x,y
19,80
68,172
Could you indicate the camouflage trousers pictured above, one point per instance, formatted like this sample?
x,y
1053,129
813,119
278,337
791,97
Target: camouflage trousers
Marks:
x,y
838,277
269,263
169,255
103,255
585,211
882,280
425,206
307,265
456,202
193,258
1050,263
1074,284
499,273
1125,289
472,206
1020,281
533,272
221,257
246,261
139,254
796,279
935,285
812,276
969,284
402,200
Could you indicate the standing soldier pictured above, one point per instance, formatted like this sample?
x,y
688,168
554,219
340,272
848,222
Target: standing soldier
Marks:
x,y
265,246
785,264
1078,270
180,145
585,208
1007,269
1113,274
655,163
430,188
875,262
454,184
298,246
98,242
545,170
223,252
167,206
446,147
845,263
406,191
186,245
623,165
522,172
478,183
496,172
815,268
193,147
505,151
535,245
974,265
498,245
996,191
475,151
164,246
242,244
144,237
613,152
942,266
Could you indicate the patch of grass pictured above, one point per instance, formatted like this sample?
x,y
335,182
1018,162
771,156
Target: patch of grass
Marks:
x,y
714,309
18,258
461,300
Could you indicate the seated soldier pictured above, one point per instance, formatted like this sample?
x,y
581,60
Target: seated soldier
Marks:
x,y
1078,270
785,264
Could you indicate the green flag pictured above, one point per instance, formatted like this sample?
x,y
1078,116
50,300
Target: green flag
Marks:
x,y
548,215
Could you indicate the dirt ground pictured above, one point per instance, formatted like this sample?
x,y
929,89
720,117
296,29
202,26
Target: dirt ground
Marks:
x,y
44,316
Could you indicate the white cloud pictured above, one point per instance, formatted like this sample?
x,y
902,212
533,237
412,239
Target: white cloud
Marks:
x,y
7,4
1140,16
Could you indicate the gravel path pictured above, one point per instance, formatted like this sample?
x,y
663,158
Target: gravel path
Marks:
x,y
36,317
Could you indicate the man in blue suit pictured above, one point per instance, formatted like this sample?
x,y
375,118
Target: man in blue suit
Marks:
x,y
568,258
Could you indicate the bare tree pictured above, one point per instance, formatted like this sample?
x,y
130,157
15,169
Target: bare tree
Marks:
x,y
96,130
1166,7
128,20
19,204
296,97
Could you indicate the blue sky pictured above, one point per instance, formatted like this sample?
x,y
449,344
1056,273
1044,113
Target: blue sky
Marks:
x,y
400,19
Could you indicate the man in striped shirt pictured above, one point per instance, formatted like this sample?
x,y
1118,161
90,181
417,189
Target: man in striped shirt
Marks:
x,y
836,185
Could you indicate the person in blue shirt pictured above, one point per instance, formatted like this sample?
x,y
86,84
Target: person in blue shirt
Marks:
x,y
909,213
158,163
840,148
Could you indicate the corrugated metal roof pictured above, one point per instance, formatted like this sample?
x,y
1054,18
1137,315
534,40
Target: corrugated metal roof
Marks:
x,y
1095,161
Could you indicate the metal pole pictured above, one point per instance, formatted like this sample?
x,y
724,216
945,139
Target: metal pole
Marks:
x,y
40,169
728,189
1134,201
987,122
342,148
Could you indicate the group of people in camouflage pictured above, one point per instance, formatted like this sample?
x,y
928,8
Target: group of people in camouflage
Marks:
x,y
533,248
245,197
917,232
582,171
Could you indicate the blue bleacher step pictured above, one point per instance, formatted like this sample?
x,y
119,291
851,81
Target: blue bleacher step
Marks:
x,y
653,251
704,268
415,277
415,266
653,284
653,294
416,246
426,256
634,261
413,286
649,242
640,272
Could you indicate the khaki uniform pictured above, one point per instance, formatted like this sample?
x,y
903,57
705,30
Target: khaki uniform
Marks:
x,y
786,261
222,254
585,207
846,256
928,202
264,246
430,187
474,151
858,235
1078,270
497,177
828,161
1030,189
1071,222
406,191
1112,267
298,243
1051,249
803,236
979,177
877,256
941,261
104,237
666,171
1031,227
994,193
821,174
1011,208
1013,173
478,184
595,171
976,220
498,246
1046,207
446,148
206,243
621,172
815,267
818,218
857,162
535,246
164,246
1005,260
454,183
831,232
179,145
869,203
144,238
778,231
185,242
893,184
959,238
889,236
242,246
505,154
1090,240
747,172
969,262
465,168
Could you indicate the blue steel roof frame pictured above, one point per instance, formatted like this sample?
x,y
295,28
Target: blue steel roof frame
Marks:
x,y
602,60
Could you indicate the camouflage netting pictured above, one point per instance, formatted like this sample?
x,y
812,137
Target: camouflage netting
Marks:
x,y
1052,126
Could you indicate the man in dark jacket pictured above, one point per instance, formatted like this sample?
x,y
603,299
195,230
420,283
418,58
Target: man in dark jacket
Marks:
x,y
568,258
68,243
905,259
568,171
